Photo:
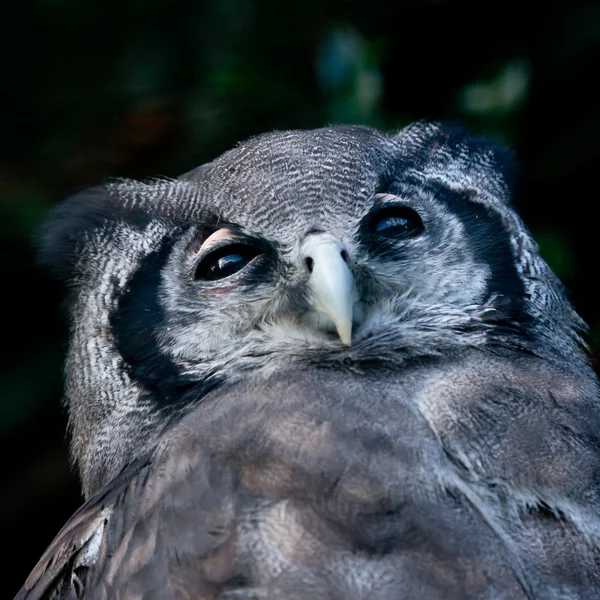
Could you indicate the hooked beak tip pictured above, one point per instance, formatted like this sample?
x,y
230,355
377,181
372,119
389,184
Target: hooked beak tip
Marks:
x,y
345,333
331,282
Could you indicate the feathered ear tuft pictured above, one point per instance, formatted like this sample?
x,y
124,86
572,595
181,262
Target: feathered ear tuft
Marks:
x,y
449,153
62,238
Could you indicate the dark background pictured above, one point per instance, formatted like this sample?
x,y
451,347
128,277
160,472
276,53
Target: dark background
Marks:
x,y
144,88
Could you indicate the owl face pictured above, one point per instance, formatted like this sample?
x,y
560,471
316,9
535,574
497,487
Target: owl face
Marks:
x,y
335,246
319,286
310,252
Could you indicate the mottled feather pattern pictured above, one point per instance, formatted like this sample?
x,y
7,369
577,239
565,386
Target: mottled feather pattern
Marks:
x,y
230,448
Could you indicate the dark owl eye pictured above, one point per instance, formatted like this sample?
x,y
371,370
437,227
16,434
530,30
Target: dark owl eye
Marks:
x,y
225,261
397,222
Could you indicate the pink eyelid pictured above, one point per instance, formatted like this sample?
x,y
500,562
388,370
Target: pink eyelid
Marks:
x,y
215,237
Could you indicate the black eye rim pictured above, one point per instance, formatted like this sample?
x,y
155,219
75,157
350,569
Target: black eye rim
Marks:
x,y
414,228
205,271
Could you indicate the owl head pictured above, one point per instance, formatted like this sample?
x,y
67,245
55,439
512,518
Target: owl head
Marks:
x,y
332,248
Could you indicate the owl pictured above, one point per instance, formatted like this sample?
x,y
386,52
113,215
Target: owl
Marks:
x,y
330,364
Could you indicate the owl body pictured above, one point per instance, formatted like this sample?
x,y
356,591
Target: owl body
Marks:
x,y
329,364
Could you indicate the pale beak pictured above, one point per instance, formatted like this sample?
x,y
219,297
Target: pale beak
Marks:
x,y
331,283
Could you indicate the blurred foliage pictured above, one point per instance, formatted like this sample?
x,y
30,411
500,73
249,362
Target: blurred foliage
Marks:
x,y
95,89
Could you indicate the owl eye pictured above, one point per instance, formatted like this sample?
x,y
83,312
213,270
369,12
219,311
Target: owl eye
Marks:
x,y
397,222
225,261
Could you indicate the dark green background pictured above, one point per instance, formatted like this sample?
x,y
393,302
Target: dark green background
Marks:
x,y
97,89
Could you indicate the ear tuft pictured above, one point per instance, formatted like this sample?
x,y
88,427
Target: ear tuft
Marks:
x,y
450,153
62,238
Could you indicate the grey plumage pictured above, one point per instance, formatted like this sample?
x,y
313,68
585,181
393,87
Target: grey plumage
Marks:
x,y
230,441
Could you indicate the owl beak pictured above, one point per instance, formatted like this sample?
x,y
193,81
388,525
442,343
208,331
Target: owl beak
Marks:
x,y
331,283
